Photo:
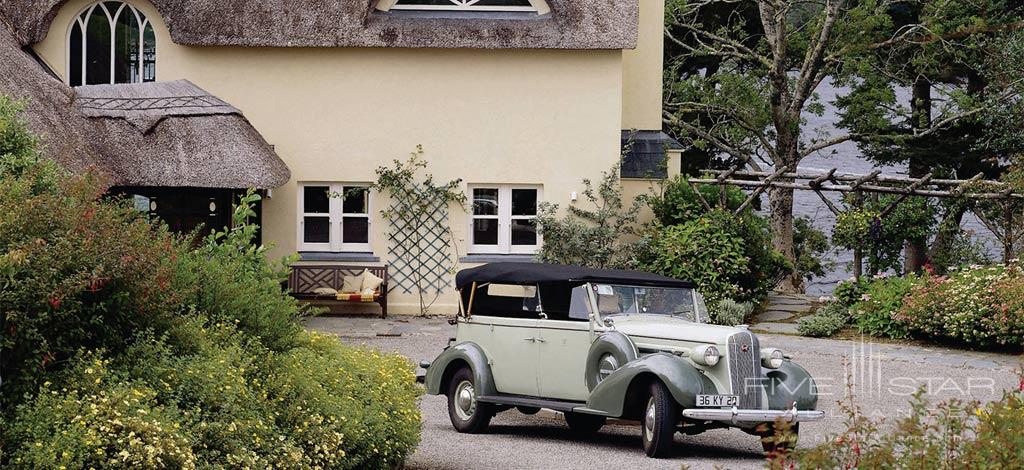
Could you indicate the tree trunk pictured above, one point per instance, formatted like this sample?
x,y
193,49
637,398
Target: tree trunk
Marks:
x,y
915,252
781,201
947,229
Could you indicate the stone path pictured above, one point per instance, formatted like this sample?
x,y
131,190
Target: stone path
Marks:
x,y
782,312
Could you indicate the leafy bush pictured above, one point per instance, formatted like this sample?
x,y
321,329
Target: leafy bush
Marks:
x,y
727,257
962,250
883,238
981,306
810,246
875,313
97,421
850,291
123,346
592,236
732,313
677,202
949,435
827,321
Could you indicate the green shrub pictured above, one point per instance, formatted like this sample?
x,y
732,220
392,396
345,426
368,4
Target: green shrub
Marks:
x,y
883,239
728,257
319,404
949,435
593,235
76,273
850,291
875,313
732,313
678,203
97,421
810,246
981,306
827,321
123,346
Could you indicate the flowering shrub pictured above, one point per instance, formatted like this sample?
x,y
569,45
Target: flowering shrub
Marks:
x,y
980,306
97,421
875,313
949,435
125,347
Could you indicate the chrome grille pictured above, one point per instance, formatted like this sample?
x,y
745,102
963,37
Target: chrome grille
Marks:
x,y
745,369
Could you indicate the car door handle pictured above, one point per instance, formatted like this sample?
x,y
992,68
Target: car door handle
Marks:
x,y
530,339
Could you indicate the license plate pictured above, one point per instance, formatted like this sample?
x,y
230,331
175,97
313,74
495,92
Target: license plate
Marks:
x,y
717,400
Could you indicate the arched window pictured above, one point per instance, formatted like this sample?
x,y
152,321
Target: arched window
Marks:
x,y
111,42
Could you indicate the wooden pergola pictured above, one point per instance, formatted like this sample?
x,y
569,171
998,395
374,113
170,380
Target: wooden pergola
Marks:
x,y
976,190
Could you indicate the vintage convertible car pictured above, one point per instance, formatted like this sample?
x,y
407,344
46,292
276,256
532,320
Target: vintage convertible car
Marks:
x,y
597,344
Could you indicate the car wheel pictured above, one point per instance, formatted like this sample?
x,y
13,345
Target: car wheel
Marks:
x,y
773,444
467,414
584,424
658,423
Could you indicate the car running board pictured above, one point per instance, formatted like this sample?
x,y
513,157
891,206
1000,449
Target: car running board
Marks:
x,y
515,400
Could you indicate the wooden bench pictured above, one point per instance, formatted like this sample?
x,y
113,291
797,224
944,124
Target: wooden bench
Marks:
x,y
305,279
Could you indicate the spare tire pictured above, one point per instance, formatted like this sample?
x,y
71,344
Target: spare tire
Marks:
x,y
609,351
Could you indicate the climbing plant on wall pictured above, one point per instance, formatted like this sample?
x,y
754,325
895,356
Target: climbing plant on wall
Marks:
x,y
419,232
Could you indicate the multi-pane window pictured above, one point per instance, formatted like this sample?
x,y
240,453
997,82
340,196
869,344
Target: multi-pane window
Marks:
x,y
502,220
471,5
111,42
334,217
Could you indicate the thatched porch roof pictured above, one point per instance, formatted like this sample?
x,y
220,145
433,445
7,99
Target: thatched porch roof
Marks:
x,y
170,134
176,134
572,24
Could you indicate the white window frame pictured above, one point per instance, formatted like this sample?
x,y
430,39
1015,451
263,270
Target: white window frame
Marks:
x,y
540,7
504,218
335,216
112,17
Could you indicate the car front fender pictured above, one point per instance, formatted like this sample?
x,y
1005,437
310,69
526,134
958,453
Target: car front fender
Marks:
x,y
462,354
681,378
790,384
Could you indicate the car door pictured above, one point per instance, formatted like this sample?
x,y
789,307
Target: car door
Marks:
x,y
504,324
563,344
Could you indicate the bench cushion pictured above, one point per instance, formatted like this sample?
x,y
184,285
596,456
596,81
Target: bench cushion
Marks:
x,y
358,297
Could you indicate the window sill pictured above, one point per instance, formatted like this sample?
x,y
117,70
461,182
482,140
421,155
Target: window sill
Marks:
x,y
463,15
496,258
344,256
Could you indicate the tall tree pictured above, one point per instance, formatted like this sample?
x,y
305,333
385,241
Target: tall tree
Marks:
x,y
766,60
952,58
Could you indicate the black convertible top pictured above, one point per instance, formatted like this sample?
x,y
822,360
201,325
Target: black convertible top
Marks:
x,y
538,273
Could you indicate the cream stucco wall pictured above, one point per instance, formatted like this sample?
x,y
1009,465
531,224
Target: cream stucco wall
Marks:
x,y
549,118
642,70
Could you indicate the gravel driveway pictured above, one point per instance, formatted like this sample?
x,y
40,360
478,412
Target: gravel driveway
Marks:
x,y
884,375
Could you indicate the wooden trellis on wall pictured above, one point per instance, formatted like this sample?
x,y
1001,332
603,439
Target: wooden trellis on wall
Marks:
x,y
420,247
974,190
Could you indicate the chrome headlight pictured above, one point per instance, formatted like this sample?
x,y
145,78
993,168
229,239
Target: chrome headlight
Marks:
x,y
705,355
772,358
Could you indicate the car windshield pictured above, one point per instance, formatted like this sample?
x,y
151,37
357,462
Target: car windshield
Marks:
x,y
625,300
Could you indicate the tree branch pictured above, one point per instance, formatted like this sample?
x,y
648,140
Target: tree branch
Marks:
x,y
718,143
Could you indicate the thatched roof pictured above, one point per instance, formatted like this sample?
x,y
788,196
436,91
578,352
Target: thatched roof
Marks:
x,y
177,134
170,134
66,134
572,24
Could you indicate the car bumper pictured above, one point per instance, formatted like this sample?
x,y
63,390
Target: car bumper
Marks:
x,y
734,415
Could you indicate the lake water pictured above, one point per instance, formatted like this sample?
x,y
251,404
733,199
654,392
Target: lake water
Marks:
x,y
847,158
